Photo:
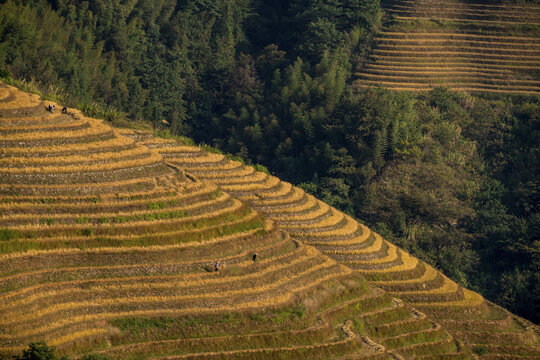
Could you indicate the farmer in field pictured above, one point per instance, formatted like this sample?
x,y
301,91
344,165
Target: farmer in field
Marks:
x,y
64,110
51,107
255,257
216,266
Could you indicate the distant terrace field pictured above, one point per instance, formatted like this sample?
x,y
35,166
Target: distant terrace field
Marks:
x,y
478,46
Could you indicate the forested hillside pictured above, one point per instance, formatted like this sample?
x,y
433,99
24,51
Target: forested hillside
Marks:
x,y
451,177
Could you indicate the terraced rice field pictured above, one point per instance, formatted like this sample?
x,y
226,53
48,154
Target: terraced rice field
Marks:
x,y
108,245
471,320
476,46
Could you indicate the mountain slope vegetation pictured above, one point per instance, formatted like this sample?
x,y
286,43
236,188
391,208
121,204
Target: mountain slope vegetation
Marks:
x,y
449,176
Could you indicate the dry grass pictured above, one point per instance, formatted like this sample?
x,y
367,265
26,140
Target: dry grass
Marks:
x,y
118,155
448,287
509,90
209,159
404,87
275,198
22,100
376,246
290,211
444,74
458,66
423,82
429,274
407,262
349,228
70,148
225,172
237,178
43,119
96,128
460,13
67,188
285,189
44,126
217,170
457,20
435,45
463,59
78,335
329,221
470,299
178,150
390,256
464,12
122,164
453,35
158,143
357,240
454,85
271,181
4,93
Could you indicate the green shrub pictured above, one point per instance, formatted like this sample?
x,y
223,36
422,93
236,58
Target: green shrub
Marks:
x,y
39,351
211,149
479,350
47,221
8,234
5,75
261,168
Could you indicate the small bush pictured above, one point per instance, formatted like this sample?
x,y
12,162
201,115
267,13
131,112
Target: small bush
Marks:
x,y
261,168
5,75
8,234
87,232
187,141
479,350
39,351
105,112
236,158
48,221
211,149
156,205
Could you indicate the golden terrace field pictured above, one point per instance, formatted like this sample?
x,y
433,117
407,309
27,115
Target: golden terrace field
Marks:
x,y
108,246
473,46
381,263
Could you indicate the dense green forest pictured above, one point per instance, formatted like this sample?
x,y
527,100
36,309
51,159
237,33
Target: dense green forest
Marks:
x,y
451,177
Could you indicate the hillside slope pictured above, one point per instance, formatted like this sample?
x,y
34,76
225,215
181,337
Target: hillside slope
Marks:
x,y
489,330
106,247
474,46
